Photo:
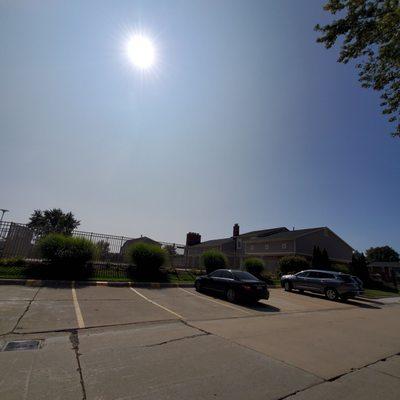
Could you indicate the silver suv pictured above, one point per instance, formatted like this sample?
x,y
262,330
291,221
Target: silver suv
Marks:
x,y
332,284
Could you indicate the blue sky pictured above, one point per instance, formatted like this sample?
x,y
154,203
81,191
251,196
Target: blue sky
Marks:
x,y
244,119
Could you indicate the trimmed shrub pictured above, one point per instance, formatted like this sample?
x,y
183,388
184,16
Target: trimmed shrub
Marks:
x,y
254,265
341,268
292,264
213,259
148,258
64,250
12,262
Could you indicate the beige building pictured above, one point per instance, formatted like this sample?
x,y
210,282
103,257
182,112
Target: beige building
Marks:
x,y
269,245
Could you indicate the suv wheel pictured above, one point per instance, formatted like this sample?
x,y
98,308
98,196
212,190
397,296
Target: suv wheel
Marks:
x,y
231,295
331,294
288,286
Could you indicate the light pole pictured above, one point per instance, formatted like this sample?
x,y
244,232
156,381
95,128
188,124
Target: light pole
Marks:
x,y
3,211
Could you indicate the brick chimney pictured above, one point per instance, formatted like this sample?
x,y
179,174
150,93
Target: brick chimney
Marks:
x,y
192,238
235,230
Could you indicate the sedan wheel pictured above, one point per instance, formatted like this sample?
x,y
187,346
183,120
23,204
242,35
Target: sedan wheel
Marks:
x,y
331,294
231,295
288,286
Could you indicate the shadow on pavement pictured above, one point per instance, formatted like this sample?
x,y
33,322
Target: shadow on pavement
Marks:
x,y
353,302
256,306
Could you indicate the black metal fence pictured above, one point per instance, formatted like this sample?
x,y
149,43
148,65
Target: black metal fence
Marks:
x,y
18,240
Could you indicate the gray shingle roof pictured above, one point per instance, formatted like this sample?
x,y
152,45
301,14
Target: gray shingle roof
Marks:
x,y
214,242
263,232
293,234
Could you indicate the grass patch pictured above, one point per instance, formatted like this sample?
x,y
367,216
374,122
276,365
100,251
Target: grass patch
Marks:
x,y
93,273
181,276
377,294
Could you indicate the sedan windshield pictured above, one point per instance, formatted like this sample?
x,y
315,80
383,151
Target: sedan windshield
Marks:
x,y
244,276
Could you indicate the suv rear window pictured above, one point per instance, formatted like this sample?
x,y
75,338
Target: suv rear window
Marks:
x,y
345,278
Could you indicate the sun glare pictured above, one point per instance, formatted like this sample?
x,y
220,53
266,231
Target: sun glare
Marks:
x,y
141,51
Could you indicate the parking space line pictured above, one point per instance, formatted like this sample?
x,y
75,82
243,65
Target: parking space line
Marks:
x,y
216,301
156,304
79,318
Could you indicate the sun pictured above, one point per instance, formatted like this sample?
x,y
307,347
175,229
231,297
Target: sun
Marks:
x,y
141,51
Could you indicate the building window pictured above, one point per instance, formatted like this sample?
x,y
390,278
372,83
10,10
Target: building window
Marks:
x,y
283,246
266,246
239,244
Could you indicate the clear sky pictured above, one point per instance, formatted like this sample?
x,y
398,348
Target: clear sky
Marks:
x,y
244,119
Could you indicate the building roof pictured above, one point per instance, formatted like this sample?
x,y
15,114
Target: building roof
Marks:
x,y
143,239
272,233
214,242
264,232
293,234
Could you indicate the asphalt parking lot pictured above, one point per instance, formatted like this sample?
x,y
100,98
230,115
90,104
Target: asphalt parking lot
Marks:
x,y
100,342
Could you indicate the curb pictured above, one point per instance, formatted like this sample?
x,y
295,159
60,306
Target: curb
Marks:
x,y
41,282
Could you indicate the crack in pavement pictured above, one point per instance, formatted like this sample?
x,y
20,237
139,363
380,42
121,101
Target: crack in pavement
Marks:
x,y
25,311
337,377
74,339
177,339
88,328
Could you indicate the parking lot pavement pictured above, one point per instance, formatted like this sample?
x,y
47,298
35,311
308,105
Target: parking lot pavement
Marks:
x,y
191,305
17,293
11,311
172,361
368,384
48,373
296,302
176,343
326,343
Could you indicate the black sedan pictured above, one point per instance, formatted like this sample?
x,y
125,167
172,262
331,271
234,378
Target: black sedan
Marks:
x,y
233,284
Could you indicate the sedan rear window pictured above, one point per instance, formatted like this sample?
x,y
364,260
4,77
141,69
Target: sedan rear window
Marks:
x,y
244,275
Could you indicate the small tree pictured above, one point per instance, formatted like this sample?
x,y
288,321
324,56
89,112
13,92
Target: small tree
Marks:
x,y
214,259
292,264
52,221
254,265
148,258
316,257
358,266
325,261
384,253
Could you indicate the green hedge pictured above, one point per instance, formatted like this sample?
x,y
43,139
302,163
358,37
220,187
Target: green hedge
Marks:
x,y
66,250
292,264
254,265
214,259
148,258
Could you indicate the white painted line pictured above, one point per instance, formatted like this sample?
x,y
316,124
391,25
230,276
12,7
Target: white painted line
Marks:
x,y
216,301
79,318
156,304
